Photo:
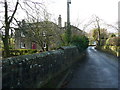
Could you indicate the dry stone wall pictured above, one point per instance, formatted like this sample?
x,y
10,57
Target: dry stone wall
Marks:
x,y
32,71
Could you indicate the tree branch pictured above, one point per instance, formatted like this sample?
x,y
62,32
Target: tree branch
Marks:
x,y
14,12
6,12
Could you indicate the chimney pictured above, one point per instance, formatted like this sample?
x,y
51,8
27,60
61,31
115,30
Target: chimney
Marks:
x,y
65,25
23,21
59,21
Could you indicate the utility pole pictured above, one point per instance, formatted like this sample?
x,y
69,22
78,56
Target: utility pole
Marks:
x,y
68,33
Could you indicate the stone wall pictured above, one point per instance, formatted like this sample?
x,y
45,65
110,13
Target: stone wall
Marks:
x,y
32,71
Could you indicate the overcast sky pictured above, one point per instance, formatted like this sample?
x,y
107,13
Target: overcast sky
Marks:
x,y
81,10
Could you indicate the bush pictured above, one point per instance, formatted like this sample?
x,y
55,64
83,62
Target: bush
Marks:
x,y
81,42
112,45
17,52
113,41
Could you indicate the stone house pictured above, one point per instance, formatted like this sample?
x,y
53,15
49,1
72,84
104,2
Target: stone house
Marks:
x,y
22,41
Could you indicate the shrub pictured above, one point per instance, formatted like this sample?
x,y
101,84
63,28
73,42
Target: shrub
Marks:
x,y
113,41
81,42
113,45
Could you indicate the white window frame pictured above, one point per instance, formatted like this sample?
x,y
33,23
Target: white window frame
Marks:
x,y
22,35
22,45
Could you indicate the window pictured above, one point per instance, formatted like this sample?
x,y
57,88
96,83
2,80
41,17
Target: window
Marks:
x,y
22,35
22,45
45,45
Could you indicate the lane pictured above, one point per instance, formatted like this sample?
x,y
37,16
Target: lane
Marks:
x,y
99,70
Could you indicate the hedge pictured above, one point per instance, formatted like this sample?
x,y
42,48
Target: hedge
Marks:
x,y
17,52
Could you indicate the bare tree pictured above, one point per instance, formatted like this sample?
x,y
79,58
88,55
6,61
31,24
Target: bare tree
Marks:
x,y
7,22
98,26
38,27
96,22
114,26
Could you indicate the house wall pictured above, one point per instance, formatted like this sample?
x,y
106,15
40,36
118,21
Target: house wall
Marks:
x,y
54,40
17,39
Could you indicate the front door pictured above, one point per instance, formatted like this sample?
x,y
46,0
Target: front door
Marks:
x,y
34,46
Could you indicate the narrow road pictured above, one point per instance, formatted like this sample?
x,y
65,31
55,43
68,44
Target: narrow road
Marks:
x,y
99,70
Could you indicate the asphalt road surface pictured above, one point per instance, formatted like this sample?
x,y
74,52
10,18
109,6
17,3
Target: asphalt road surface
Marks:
x,y
98,70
